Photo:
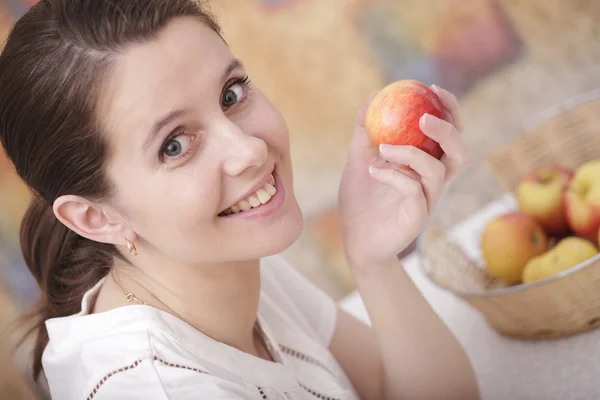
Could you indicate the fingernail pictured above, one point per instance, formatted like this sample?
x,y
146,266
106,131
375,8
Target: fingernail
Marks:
x,y
384,148
374,171
435,88
430,121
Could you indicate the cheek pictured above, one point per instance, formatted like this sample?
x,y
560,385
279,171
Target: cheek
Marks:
x,y
158,204
270,125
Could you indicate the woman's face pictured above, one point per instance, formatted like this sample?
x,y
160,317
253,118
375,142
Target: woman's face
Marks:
x,y
200,158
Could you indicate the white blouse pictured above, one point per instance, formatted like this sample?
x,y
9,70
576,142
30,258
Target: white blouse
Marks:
x,y
140,352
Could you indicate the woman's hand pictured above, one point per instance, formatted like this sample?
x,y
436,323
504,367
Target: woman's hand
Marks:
x,y
384,207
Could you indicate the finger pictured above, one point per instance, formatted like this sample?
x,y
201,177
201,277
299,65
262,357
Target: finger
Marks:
x,y
415,203
360,118
432,172
396,179
380,162
361,146
452,105
456,151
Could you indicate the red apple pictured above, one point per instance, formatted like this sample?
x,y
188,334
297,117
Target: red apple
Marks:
x,y
393,116
582,201
540,194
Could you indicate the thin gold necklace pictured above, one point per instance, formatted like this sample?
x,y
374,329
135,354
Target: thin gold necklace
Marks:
x,y
132,298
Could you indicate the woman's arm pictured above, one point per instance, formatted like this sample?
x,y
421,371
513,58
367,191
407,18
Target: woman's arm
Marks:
x,y
409,353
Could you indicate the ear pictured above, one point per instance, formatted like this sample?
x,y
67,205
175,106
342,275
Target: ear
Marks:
x,y
92,221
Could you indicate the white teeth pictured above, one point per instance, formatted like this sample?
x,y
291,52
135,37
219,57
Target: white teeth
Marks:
x,y
254,202
244,205
263,196
270,189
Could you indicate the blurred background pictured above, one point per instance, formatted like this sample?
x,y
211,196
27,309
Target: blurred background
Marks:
x,y
319,61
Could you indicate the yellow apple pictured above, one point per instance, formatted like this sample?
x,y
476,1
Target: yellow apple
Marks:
x,y
540,194
566,254
582,201
508,242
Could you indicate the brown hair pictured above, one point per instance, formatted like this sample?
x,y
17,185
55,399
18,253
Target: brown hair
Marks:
x,y
51,72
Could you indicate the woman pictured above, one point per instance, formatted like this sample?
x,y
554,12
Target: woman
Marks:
x,y
163,189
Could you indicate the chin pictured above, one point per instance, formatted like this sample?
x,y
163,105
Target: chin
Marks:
x,y
281,234
289,231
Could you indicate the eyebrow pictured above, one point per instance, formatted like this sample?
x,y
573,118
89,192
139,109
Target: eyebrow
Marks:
x,y
233,65
173,115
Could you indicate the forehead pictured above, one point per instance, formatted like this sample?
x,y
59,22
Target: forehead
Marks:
x,y
184,61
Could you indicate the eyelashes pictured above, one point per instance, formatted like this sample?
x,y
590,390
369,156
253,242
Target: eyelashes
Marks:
x,y
180,143
243,80
239,98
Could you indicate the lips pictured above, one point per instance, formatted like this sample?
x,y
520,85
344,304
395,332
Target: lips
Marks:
x,y
262,194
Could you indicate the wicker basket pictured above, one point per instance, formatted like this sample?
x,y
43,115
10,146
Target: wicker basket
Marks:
x,y
561,305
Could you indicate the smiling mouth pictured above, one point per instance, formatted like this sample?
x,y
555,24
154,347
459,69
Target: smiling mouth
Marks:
x,y
255,200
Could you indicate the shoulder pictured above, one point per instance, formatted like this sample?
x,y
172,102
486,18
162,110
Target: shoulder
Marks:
x,y
155,379
132,353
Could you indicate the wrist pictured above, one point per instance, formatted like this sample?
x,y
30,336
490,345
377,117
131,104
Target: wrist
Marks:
x,y
363,269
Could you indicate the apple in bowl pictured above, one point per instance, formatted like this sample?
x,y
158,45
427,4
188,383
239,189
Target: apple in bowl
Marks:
x,y
582,201
508,242
568,253
541,195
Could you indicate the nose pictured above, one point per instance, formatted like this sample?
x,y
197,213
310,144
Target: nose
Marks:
x,y
242,150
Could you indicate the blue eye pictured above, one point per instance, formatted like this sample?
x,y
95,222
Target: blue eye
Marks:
x,y
173,148
235,93
176,147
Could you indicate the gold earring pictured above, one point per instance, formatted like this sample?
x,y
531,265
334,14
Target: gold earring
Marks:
x,y
131,247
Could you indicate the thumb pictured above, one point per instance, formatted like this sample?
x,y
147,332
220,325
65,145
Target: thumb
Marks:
x,y
360,118
413,214
360,140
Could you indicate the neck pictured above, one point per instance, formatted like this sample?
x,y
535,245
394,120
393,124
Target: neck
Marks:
x,y
219,300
